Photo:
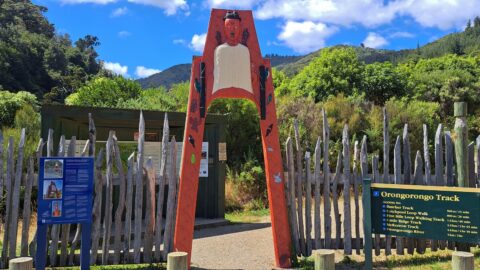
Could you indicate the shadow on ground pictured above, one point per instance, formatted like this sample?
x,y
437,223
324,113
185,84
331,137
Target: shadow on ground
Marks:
x,y
232,228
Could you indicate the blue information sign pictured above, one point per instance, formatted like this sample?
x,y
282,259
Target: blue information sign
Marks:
x,y
65,187
65,190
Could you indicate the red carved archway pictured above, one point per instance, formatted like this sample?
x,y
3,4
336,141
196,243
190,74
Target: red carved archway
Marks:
x,y
231,38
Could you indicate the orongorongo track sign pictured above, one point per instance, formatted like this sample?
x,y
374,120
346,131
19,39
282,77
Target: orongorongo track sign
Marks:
x,y
441,213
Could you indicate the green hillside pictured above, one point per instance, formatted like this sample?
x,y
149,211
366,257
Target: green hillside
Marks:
x,y
466,42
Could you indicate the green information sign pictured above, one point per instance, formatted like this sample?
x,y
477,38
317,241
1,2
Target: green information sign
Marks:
x,y
429,212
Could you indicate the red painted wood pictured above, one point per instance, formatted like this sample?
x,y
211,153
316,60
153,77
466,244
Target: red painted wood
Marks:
x,y
194,131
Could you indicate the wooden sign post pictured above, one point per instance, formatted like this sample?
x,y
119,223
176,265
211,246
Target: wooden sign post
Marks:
x,y
232,66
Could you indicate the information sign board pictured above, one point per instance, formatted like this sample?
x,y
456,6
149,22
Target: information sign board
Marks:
x,y
429,212
65,190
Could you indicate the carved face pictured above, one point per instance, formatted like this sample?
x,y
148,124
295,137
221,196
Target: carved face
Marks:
x,y
232,31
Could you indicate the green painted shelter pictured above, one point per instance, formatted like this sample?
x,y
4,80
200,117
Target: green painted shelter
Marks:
x,y
73,121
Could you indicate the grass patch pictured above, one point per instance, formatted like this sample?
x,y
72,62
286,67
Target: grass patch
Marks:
x,y
156,266
247,216
439,260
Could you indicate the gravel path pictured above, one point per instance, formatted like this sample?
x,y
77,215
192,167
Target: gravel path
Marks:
x,y
239,246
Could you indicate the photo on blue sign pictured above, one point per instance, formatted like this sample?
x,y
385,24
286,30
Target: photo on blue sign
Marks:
x,y
53,168
56,208
52,189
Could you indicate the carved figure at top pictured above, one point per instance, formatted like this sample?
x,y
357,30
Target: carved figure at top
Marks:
x,y
232,59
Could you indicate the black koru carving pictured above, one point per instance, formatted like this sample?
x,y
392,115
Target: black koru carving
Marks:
x,y
269,130
193,106
194,123
191,140
218,37
245,36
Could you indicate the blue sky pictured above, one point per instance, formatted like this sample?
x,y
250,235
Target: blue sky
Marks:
x,y
142,37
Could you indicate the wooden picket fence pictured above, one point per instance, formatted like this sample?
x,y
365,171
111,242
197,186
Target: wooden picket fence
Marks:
x,y
130,218
310,182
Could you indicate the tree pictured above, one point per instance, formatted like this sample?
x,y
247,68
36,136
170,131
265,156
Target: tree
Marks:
x,y
35,59
105,92
476,22
381,81
336,70
10,103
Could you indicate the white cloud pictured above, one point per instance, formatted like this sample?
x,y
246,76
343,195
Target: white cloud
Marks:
x,y
374,40
198,42
170,7
119,12
341,12
124,34
101,2
304,37
179,41
143,72
116,68
402,34
443,14
244,4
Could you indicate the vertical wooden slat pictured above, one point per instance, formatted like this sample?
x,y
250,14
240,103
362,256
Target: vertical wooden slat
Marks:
x,y
97,206
386,168
8,203
137,243
128,212
363,160
439,179
161,190
419,180
450,181
291,185
460,141
1,175
55,233
317,180
107,219
26,208
32,247
336,211
376,179
397,170
16,197
326,182
120,203
449,156
347,216
26,215
171,200
471,165
428,174
301,228
78,231
478,161
356,194
407,176
149,212
308,204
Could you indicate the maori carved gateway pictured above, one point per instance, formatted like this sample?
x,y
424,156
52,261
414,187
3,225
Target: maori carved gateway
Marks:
x,y
232,66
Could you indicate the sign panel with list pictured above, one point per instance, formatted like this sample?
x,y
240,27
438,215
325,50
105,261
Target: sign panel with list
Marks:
x,y
430,212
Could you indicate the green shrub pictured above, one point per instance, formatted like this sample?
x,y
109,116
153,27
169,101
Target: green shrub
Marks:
x,y
11,102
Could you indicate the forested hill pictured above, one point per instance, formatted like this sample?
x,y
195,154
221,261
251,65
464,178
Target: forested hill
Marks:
x,y
33,57
181,72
